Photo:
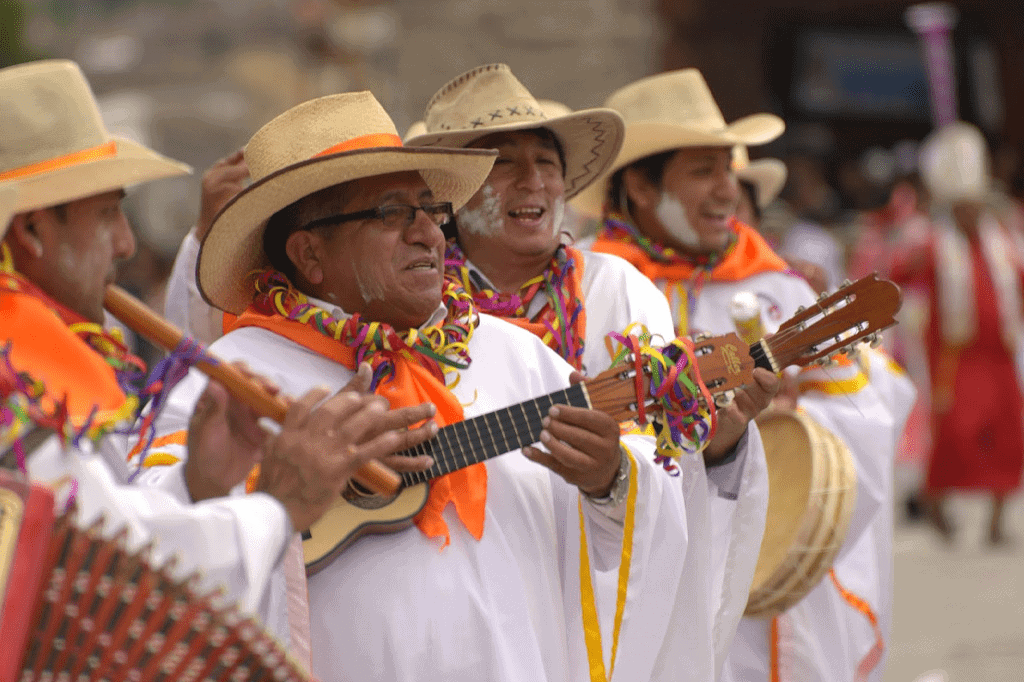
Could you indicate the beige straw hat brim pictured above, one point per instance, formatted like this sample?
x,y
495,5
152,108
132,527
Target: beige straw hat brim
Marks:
x,y
8,198
590,139
768,176
233,248
647,138
132,164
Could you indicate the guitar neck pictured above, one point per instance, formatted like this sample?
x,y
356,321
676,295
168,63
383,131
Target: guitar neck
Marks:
x,y
476,440
761,353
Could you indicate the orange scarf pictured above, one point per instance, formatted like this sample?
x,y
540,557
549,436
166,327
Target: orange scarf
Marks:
x,y
750,256
43,345
412,384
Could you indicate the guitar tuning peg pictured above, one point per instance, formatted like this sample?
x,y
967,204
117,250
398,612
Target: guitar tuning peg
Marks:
x,y
846,283
823,296
697,338
800,309
876,340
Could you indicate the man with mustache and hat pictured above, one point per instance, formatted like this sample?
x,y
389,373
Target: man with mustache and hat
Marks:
x,y
335,253
509,253
62,230
668,204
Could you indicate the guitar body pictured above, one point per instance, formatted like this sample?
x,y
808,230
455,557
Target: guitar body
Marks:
x,y
356,514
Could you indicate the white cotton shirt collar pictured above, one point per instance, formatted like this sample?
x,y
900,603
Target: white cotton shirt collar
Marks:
x,y
436,318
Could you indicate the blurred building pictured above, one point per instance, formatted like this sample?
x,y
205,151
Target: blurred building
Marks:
x,y
848,71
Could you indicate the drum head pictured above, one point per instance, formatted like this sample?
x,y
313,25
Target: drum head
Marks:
x,y
791,472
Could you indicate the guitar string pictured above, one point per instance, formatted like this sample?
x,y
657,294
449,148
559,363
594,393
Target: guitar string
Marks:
x,y
452,446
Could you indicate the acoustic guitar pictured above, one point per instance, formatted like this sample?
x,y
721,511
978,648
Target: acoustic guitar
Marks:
x,y
834,324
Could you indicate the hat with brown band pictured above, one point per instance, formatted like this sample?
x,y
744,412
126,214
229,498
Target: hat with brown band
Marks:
x,y
313,146
670,111
54,144
489,99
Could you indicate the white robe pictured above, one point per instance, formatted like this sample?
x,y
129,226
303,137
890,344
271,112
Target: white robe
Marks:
x,y
506,607
822,637
616,294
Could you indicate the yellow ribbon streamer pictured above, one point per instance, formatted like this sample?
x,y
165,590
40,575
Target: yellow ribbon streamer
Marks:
x,y
591,626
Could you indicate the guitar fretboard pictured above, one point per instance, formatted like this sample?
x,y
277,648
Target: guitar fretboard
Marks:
x,y
475,440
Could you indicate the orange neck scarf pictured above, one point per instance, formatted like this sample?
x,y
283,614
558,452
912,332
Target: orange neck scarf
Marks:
x,y
749,255
411,384
69,370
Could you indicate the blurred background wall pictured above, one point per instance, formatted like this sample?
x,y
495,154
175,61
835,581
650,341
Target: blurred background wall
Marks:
x,y
195,78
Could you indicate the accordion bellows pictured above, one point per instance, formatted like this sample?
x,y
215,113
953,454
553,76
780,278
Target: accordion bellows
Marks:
x,y
105,613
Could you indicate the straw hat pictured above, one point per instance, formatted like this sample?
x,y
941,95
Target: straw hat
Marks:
x,y
670,111
54,144
489,99
768,176
8,198
553,109
550,107
315,145
955,164
415,130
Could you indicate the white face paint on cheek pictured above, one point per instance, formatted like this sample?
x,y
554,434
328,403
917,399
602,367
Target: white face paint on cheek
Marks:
x,y
672,215
557,216
485,219
371,284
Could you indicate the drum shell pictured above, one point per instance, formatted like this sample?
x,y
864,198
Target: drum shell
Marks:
x,y
812,495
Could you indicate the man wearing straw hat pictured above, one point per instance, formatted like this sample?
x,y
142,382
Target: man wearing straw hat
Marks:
x,y
508,251
669,203
60,233
335,252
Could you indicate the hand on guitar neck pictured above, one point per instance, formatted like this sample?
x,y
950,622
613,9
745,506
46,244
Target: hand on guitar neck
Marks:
x,y
324,440
583,446
747,403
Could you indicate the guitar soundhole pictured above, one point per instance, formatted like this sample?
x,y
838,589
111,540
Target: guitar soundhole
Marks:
x,y
358,496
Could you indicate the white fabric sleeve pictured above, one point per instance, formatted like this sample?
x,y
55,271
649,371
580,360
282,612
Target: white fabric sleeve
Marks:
x,y
726,479
234,543
184,305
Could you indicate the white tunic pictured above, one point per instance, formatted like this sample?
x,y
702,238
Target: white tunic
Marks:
x,y
506,607
823,637
616,294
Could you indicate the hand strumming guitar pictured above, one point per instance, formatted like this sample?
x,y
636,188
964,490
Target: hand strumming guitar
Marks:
x,y
583,446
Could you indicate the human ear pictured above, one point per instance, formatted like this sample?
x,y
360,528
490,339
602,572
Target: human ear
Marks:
x,y
304,250
641,191
24,232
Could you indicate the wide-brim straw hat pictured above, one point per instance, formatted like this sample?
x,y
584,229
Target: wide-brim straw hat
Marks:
x,y
8,200
768,176
489,99
313,146
674,110
54,144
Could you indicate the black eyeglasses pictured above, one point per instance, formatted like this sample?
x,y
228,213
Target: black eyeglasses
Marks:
x,y
398,216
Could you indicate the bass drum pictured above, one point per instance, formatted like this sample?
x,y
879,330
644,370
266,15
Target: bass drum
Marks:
x,y
812,486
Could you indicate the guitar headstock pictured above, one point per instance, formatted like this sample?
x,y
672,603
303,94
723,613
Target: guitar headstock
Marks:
x,y
724,362
836,321
614,392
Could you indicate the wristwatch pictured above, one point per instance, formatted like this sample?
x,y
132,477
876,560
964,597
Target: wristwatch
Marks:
x,y
620,486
